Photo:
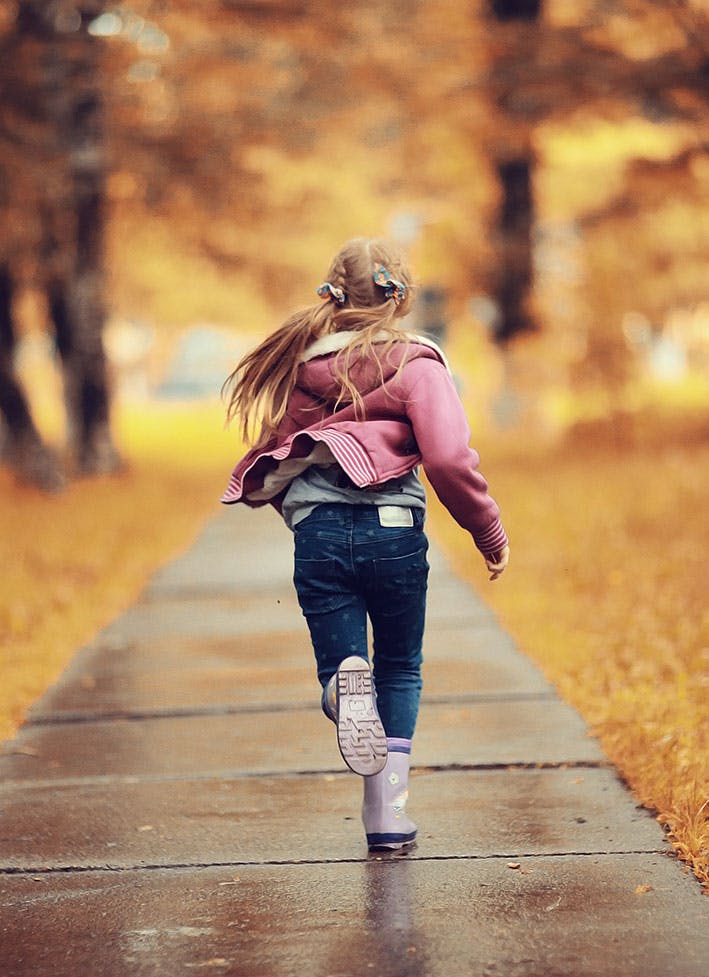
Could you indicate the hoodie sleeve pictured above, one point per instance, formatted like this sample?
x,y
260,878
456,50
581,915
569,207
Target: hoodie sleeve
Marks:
x,y
442,433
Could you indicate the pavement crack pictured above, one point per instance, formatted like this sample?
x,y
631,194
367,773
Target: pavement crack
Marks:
x,y
109,780
68,869
226,709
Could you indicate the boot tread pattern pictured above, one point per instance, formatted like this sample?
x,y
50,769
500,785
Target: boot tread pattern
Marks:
x,y
360,734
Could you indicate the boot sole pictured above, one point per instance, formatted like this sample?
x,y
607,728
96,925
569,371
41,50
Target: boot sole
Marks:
x,y
390,841
360,734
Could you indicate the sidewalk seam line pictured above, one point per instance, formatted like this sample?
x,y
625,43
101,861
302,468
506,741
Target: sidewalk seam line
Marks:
x,y
78,718
235,775
411,857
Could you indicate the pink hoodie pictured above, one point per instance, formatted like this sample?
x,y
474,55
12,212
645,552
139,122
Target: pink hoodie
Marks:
x,y
412,418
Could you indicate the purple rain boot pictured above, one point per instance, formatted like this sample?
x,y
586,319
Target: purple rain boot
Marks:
x,y
384,806
329,699
349,700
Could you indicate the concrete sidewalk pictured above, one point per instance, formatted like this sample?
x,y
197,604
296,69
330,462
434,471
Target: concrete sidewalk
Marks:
x,y
176,804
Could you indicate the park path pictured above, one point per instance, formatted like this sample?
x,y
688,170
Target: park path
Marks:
x,y
176,804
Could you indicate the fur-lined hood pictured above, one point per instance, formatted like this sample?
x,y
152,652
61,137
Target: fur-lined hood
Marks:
x,y
317,374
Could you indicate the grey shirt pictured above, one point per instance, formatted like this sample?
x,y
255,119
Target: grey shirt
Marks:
x,y
321,484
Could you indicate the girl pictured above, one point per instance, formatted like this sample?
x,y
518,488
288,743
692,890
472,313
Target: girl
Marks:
x,y
342,405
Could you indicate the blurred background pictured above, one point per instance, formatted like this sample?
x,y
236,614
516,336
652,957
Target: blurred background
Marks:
x,y
181,174
174,179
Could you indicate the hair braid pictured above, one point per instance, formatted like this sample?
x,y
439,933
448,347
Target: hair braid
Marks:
x,y
338,273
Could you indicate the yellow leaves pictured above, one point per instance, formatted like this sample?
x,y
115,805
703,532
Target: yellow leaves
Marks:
x,y
14,619
576,154
163,278
650,35
615,577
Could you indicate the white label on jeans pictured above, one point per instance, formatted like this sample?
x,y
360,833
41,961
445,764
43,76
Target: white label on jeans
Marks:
x,y
395,515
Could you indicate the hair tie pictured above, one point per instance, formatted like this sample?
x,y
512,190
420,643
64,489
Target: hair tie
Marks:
x,y
329,291
394,289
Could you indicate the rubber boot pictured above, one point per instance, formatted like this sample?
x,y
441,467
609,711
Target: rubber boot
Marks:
x,y
349,700
384,807
329,699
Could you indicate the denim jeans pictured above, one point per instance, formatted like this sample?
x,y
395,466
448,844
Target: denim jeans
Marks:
x,y
349,568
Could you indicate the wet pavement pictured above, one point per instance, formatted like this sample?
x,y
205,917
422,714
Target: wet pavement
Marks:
x,y
177,804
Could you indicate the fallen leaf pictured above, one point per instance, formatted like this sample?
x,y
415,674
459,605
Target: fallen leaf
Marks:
x,y
640,889
213,962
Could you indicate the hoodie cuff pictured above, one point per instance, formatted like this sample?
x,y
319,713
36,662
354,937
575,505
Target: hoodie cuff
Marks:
x,y
492,540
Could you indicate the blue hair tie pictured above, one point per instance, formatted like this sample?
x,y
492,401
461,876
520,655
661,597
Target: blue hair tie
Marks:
x,y
329,291
393,289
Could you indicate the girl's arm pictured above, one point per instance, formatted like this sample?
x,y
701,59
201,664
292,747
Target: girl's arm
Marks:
x,y
442,433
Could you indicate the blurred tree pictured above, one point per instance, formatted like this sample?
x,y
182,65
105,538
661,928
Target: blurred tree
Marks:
x,y
253,134
53,143
22,446
210,94
551,60
647,252
511,150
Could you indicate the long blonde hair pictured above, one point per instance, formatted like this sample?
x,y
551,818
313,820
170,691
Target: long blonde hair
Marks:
x,y
263,381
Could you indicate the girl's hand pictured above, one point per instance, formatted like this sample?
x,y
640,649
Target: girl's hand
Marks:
x,y
496,562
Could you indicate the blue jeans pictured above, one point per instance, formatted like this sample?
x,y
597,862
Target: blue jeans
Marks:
x,y
348,568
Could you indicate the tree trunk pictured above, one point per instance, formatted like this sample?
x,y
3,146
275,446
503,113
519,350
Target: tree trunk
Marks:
x,y
514,163
516,9
514,236
75,254
24,449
